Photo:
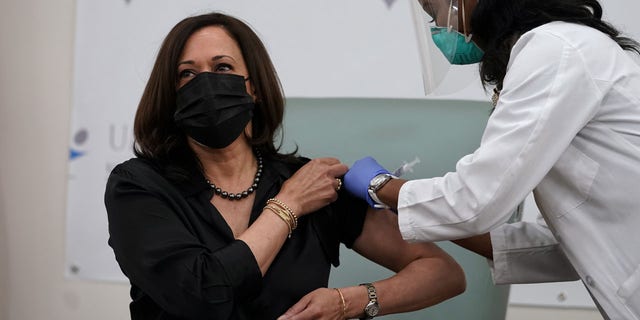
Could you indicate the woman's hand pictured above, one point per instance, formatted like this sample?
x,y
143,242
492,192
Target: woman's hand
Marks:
x,y
313,186
320,304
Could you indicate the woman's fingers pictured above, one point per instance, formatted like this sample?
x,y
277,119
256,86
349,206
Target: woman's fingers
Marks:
x,y
314,185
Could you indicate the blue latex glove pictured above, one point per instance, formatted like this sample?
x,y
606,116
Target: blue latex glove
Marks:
x,y
357,179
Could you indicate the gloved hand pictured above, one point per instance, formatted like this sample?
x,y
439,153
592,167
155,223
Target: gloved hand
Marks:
x,y
357,179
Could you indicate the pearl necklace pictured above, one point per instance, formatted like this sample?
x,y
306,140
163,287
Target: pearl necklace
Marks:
x,y
240,195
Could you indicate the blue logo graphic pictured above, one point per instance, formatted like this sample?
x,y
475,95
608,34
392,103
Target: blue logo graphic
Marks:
x,y
79,139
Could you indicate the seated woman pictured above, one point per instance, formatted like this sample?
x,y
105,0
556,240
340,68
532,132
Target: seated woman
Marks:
x,y
211,221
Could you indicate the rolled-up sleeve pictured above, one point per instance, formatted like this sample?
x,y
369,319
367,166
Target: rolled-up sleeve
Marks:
x,y
527,252
157,252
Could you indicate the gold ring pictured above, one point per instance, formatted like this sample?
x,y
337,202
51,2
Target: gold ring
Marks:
x,y
339,184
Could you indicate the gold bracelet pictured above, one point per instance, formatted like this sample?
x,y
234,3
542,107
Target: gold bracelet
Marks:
x,y
284,216
344,305
285,207
282,213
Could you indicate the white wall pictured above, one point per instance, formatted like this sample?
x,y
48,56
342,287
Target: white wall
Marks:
x,y
36,46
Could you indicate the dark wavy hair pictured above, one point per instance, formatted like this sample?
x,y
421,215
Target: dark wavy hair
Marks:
x,y
497,25
157,138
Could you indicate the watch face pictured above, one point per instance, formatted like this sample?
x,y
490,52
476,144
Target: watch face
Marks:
x,y
372,310
378,179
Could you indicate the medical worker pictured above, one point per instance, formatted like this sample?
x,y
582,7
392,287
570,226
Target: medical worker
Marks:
x,y
566,125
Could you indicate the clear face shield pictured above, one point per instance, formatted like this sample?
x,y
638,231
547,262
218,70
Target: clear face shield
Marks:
x,y
444,42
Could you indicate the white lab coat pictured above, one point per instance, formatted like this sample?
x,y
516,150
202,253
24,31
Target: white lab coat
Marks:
x,y
567,127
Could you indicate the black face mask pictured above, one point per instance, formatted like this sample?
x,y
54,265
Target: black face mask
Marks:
x,y
214,108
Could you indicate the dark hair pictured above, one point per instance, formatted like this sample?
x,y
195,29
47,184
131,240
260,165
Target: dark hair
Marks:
x,y
497,24
157,137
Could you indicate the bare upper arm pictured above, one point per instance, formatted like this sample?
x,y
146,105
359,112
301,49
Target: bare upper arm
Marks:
x,y
381,242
